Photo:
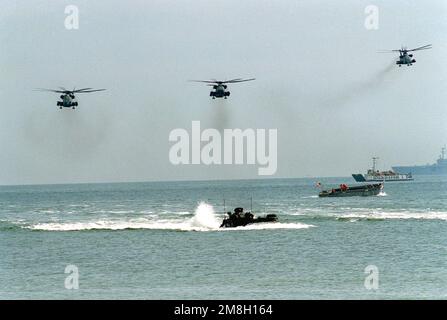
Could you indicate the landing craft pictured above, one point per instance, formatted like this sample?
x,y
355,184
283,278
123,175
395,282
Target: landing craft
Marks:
x,y
68,99
345,191
220,87
404,57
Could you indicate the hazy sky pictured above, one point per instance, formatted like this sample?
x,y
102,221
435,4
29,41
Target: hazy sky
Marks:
x,y
320,82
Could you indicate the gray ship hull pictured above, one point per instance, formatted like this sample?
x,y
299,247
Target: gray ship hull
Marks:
x,y
428,169
373,178
440,167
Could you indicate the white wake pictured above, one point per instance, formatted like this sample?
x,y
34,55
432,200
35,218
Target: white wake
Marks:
x,y
204,219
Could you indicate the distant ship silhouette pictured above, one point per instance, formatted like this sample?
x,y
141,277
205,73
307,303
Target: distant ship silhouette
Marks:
x,y
440,167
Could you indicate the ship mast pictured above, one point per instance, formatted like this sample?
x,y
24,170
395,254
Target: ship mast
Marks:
x,y
442,157
374,163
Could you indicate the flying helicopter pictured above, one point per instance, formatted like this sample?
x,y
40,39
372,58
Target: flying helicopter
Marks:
x,y
220,87
404,57
68,99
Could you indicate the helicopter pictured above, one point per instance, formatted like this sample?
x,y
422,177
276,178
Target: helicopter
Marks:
x,y
68,96
220,87
404,57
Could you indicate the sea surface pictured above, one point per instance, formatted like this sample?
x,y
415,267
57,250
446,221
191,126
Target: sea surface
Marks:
x,y
161,240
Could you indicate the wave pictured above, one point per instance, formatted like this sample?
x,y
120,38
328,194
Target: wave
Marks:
x,y
404,215
114,225
356,214
113,211
7,225
204,219
182,213
160,225
48,211
272,225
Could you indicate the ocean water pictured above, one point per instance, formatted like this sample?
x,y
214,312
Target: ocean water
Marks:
x,y
162,240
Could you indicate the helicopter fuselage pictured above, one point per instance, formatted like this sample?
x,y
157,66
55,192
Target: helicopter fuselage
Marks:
x,y
405,58
219,91
67,101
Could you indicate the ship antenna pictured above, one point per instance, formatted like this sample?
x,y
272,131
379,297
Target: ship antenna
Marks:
x,y
251,203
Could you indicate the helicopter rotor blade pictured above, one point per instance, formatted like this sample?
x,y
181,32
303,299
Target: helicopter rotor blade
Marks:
x,y
51,90
65,91
88,91
218,82
205,81
428,46
83,89
232,80
388,51
239,80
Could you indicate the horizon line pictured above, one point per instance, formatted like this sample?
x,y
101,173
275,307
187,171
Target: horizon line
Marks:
x,y
160,181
